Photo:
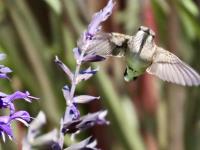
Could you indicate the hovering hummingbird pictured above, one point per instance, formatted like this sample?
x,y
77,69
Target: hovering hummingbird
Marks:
x,y
143,55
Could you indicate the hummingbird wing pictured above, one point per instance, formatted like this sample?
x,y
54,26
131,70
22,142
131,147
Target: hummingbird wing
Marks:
x,y
169,67
108,44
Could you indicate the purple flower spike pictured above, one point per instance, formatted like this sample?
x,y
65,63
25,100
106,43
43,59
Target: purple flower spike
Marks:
x,y
98,18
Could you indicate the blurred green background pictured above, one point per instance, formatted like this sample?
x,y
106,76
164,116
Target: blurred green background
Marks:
x,y
146,113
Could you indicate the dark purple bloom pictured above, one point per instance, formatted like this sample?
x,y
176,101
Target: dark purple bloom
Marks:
x,y
71,113
5,122
6,101
87,144
85,122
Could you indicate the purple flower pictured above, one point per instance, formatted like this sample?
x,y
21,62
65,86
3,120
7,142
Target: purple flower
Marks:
x,y
85,122
4,71
86,74
5,123
6,101
71,113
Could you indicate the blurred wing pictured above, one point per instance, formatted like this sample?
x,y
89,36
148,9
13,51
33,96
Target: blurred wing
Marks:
x,y
169,67
104,45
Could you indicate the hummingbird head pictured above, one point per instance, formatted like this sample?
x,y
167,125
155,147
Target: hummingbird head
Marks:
x,y
143,38
146,30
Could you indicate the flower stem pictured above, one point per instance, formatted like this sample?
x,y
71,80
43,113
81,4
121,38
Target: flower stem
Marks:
x,y
72,91
78,66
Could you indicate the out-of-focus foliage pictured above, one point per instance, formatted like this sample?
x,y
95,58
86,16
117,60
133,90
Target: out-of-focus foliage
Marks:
x,y
33,32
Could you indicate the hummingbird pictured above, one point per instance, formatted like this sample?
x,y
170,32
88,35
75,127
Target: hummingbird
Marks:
x,y
143,55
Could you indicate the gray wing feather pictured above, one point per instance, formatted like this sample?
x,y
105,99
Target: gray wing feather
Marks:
x,y
103,45
169,67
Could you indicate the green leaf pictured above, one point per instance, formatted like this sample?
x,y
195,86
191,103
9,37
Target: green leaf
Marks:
x,y
190,6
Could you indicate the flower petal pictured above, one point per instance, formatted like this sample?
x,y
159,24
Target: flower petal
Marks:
x,y
71,113
89,143
77,55
6,129
18,95
22,116
66,92
4,119
86,74
84,98
4,69
64,68
85,122
4,76
93,58
92,119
